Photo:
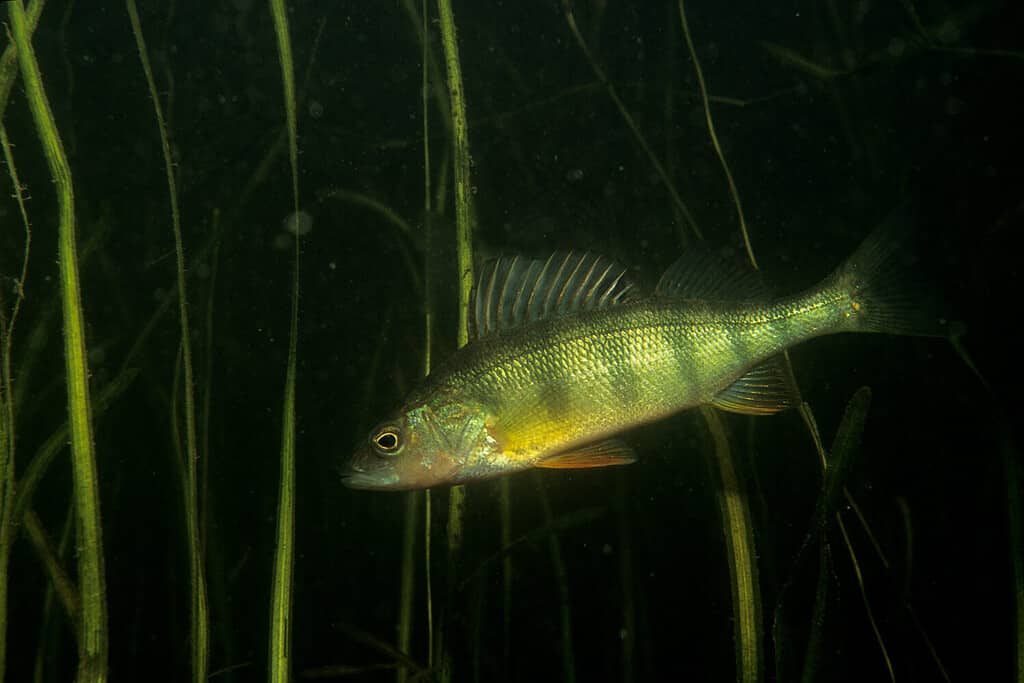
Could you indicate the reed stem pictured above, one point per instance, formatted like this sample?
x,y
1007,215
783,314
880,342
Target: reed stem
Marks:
x,y
7,404
562,582
464,249
92,665
638,136
739,540
279,668
199,603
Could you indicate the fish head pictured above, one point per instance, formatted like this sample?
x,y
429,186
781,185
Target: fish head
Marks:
x,y
423,445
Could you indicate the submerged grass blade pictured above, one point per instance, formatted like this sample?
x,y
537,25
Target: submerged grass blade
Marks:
x,y
92,664
562,581
734,193
406,584
9,59
7,407
464,251
198,605
844,448
279,667
638,136
739,541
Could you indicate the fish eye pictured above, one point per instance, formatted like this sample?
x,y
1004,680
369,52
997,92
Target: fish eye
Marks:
x,y
386,441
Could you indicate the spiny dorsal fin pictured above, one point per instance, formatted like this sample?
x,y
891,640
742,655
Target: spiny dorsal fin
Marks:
x,y
702,274
512,291
600,454
765,389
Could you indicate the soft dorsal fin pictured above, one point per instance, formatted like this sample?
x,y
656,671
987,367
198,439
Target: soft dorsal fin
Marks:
x,y
702,274
765,389
600,454
512,291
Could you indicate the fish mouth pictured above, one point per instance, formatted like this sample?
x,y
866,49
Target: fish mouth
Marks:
x,y
370,481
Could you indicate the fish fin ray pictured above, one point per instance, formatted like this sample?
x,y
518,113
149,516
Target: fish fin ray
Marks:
x,y
763,390
512,291
599,454
702,274
887,291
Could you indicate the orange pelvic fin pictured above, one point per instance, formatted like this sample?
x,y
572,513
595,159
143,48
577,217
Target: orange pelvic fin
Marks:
x,y
599,454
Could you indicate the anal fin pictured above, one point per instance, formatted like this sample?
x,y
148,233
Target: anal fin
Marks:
x,y
765,389
598,454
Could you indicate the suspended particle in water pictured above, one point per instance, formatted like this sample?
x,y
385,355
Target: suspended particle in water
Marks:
x,y
298,223
574,175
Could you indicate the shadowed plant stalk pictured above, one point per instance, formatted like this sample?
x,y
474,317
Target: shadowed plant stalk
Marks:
x,y
7,421
562,582
92,664
412,498
279,666
739,541
732,498
198,605
464,250
638,136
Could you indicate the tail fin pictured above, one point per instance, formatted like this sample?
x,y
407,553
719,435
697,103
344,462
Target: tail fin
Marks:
x,y
886,292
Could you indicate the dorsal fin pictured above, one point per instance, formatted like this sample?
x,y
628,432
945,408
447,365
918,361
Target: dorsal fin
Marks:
x,y
512,291
702,274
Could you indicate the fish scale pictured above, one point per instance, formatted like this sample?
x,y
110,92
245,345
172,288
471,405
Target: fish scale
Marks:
x,y
568,355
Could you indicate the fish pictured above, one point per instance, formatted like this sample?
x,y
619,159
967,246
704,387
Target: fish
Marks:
x,y
567,354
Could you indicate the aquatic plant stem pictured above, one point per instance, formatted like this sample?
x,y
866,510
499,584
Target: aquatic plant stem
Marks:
x,y
740,549
562,581
464,250
412,498
9,59
92,664
279,667
199,607
677,201
735,508
7,422
463,184
714,136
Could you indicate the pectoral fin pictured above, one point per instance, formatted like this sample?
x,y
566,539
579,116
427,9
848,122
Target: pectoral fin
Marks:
x,y
599,454
763,390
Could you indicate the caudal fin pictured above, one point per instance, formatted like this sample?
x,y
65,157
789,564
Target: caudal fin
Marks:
x,y
887,293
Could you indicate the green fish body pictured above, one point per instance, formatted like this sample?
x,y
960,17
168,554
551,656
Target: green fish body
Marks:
x,y
567,354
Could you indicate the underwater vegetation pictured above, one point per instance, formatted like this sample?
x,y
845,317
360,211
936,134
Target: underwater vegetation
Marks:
x,y
236,235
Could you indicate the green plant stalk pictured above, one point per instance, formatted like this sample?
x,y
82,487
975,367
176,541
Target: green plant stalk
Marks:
x,y
92,665
49,634
625,577
463,184
7,405
199,605
464,248
638,136
733,192
406,585
412,499
739,540
562,581
8,61
279,667
64,587
505,513
735,510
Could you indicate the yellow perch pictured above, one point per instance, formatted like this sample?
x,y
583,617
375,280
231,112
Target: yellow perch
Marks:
x,y
567,354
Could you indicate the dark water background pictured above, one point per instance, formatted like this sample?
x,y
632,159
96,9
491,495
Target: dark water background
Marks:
x,y
817,162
